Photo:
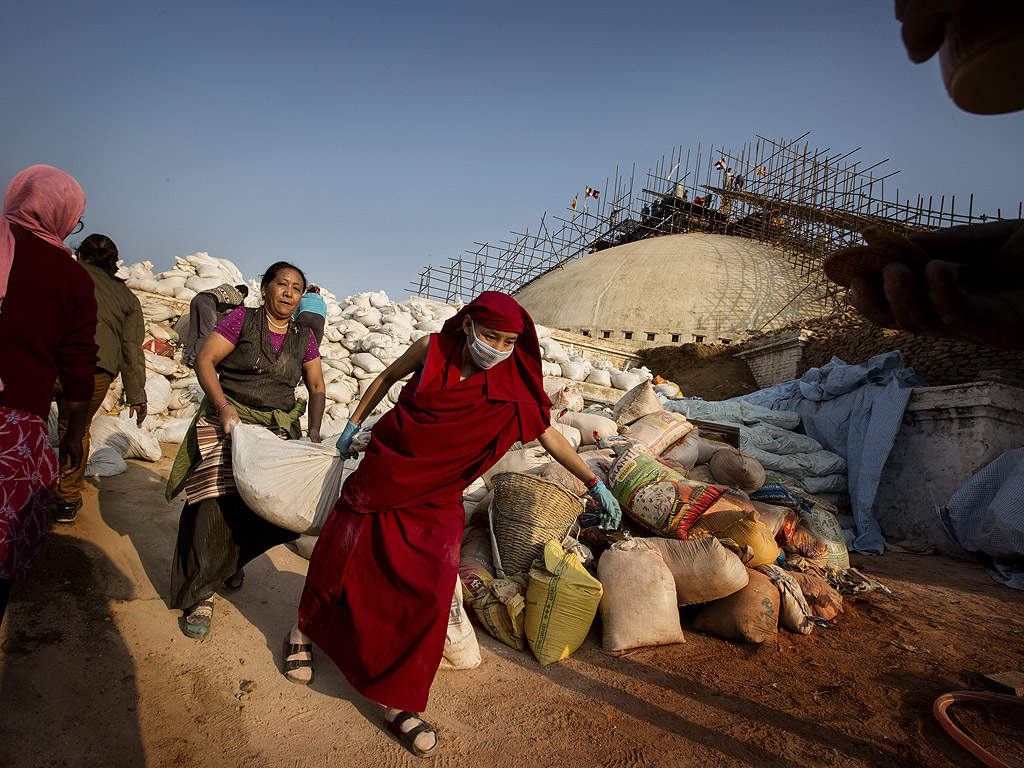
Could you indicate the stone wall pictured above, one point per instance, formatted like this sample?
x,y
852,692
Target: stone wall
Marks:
x,y
939,361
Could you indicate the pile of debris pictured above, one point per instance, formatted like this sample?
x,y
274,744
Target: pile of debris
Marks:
x,y
741,548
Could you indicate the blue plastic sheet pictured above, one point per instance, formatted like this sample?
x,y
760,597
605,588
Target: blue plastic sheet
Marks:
x,y
855,411
985,516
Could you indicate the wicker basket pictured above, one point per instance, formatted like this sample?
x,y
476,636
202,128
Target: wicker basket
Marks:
x,y
526,512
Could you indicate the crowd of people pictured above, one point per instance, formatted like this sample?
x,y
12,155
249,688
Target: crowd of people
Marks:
x,y
382,575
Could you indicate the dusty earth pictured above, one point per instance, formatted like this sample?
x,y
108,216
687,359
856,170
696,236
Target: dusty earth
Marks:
x,y
96,672
708,371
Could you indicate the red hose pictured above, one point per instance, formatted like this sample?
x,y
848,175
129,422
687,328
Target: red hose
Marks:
x,y
943,702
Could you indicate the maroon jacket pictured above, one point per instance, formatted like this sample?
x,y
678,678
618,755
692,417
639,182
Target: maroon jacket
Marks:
x,y
47,327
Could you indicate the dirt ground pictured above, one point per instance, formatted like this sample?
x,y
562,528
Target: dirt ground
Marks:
x,y
96,673
708,371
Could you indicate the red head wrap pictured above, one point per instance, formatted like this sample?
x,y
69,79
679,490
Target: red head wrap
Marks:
x,y
518,379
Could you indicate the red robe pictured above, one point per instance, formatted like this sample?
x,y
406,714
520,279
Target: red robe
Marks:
x,y
381,577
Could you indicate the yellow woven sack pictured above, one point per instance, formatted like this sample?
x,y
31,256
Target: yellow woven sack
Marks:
x,y
561,602
753,533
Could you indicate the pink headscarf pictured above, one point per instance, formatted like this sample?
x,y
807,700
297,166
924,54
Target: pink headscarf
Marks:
x,y
47,202
44,200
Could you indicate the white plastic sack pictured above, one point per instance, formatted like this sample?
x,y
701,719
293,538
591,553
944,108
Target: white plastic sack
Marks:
x,y
173,431
292,484
158,393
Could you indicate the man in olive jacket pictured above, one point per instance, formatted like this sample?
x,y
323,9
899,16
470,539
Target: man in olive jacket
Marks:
x,y
119,334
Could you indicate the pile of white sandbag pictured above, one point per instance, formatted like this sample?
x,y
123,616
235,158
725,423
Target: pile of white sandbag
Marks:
x,y
188,276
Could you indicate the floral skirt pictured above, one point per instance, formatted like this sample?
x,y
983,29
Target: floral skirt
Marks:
x,y
28,472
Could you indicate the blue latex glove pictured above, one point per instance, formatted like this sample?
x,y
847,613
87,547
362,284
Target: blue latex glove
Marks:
x,y
609,514
346,440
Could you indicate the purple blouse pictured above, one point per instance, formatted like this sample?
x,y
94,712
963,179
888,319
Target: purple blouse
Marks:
x,y
231,327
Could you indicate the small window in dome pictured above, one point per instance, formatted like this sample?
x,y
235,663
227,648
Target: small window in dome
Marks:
x,y
585,332
627,335
650,337
698,339
675,337
727,342
606,334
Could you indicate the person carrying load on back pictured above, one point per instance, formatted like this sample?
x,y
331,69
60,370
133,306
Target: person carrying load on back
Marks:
x,y
44,335
119,334
248,368
381,577
206,309
313,311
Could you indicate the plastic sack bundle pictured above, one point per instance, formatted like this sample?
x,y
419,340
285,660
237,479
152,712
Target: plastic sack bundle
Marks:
x,y
561,602
290,483
795,615
461,650
655,495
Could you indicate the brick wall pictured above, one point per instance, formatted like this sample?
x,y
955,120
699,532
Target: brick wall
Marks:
x,y
939,361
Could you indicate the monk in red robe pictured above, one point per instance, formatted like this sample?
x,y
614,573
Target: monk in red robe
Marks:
x,y
381,577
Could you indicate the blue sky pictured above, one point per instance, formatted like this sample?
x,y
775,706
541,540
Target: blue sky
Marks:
x,y
364,140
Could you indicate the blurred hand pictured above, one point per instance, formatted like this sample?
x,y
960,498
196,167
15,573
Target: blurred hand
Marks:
x,y
139,412
971,290
70,451
924,24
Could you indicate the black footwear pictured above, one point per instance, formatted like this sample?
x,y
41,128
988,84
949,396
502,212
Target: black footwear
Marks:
x,y
67,511
290,664
408,738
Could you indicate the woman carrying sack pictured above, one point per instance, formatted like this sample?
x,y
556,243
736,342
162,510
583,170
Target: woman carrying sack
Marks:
x,y
248,368
381,577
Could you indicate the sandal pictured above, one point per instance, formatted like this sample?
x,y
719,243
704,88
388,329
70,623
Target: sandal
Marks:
x,y
236,580
67,511
408,738
198,619
292,664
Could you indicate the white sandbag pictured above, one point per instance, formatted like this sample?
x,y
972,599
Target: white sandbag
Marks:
x,y
625,381
158,393
104,463
684,452
461,650
188,381
160,364
553,351
543,332
152,310
340,391
291,483
184,293
430,326
592,426
574,371
173,431
122,435
200,284
368,362
599,377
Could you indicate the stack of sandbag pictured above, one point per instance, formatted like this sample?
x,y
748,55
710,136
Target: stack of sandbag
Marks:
x,y
767,437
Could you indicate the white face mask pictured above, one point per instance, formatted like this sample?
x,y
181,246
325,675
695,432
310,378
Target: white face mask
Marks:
x,y
484,355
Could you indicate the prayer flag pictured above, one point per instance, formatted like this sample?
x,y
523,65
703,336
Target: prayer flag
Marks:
x,y
573,203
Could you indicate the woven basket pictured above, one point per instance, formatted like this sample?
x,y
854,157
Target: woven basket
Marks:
x,y
526,512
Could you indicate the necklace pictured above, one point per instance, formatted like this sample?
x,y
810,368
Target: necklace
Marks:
x,y
275,324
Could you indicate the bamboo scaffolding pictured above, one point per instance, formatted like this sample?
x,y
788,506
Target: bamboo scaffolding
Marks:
x,y
803,202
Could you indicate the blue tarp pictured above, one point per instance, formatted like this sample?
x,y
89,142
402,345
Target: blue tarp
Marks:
x,y
855,411
985,515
